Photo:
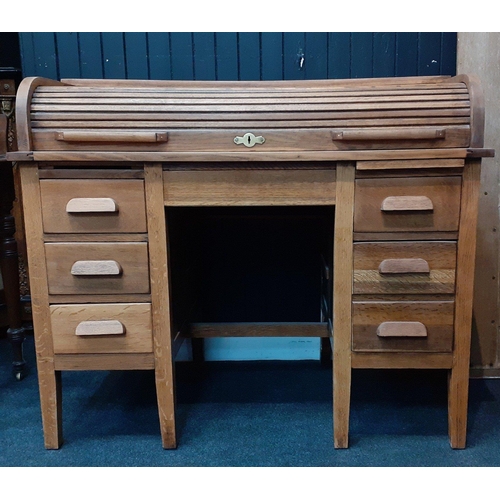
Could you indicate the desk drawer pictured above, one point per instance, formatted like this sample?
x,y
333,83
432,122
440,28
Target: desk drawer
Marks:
x,y
101,328
407,204
97,268
404,267
398,326
93,206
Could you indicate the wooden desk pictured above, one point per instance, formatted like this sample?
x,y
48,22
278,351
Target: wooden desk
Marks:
x,y
396,160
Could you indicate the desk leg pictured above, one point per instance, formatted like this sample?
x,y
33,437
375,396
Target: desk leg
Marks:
x,y
458,383
342,296
160,302
49,380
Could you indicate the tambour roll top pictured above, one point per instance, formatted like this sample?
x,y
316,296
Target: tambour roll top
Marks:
x,y
315,119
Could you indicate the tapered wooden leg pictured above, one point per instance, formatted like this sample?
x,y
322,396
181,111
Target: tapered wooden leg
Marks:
x,y
458,383
342,296
160,300
49,383
49,380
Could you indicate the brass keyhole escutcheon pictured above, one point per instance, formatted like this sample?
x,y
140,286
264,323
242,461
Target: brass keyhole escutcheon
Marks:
x,y
249,140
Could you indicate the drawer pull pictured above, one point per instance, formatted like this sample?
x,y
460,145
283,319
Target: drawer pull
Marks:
x,y
96,268
402,329
399,266
91,136
94,205
105,327
388,135
406,203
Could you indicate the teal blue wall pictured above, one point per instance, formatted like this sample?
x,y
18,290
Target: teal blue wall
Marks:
x,y
239,56
236,56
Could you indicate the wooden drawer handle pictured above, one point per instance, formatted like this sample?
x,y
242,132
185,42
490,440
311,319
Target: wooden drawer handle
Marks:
x,y
91,136
388,135
402,329
94,205
104,327
398,266
403,203
96,268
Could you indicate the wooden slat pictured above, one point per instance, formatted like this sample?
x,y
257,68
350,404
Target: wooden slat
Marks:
x,y
252,156
216,100
84,362
401,360
143,114
48,92
204,330
249,188
212,122
260,107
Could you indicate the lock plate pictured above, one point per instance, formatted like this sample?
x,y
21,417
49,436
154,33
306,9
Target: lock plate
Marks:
x,y
249,140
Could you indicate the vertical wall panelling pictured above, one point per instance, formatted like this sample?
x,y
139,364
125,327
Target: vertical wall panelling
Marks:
x,y
226,54
113,54
448,53
429,59
136,56
384,51
272,56
204,56
339,55
159,56
249,56
91,64
46,61
406,54
361,55
181,50
316,48
294,58
68,54
237,56
28,57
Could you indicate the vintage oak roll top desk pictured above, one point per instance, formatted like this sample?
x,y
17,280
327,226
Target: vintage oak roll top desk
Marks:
x,y
397,161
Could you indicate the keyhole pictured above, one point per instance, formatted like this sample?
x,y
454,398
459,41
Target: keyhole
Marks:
x,y
249,139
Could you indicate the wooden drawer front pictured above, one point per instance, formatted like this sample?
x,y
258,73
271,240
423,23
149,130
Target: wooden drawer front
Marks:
x,y
372,320
93,206
407,204
101,328
97,268
404,267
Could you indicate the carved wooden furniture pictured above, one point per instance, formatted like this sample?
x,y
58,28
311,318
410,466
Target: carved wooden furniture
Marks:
x,y
108,166
9,262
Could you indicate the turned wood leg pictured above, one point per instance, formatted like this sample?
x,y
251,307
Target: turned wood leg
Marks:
x,y
9,267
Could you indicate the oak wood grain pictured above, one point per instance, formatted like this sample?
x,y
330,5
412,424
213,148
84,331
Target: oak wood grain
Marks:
x,y
160,303
134,319
49,379
342,291
90,214
249,188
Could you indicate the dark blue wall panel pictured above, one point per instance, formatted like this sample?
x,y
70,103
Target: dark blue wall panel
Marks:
x,y
237,56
